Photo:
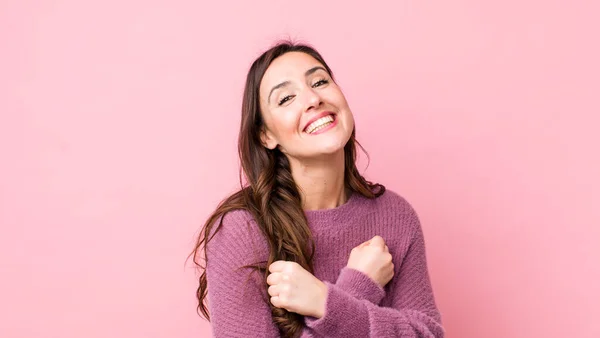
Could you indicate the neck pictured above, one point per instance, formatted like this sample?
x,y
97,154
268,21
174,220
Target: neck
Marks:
x,y
321,181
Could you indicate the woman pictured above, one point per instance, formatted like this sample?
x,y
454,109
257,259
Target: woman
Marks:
x,y
308,247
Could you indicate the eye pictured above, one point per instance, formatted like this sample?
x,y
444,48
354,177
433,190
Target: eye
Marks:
x,y
320,83
285,99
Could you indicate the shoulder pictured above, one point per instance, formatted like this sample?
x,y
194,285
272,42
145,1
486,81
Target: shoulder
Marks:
x,y
234,222
236,234
396,213
394,203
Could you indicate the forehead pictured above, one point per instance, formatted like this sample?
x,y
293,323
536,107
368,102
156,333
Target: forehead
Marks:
x,y
288,66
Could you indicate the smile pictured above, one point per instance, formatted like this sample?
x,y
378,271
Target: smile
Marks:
x,y
320,124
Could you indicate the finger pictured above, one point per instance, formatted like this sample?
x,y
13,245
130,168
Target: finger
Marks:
x,y
279,301
387,249
275,301
277,266
274,278
273,290
364,243
378,241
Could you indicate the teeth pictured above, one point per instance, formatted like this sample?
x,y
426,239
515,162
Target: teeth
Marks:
x,y
321,127
319,124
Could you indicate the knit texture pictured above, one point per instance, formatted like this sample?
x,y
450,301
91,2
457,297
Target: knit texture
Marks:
x,y
356,306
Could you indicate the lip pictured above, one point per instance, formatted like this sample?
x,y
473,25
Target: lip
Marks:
x,y
318,116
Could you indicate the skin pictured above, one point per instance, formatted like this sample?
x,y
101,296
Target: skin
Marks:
x,y
294,90
317,161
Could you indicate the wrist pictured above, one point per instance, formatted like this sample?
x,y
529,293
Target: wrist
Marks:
x,y
321,300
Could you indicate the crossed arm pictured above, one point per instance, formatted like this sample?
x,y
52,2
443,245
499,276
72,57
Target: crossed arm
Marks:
x,y
351,308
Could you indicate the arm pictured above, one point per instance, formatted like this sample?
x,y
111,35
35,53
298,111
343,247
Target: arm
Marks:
x,y
359,285
413,312
236,296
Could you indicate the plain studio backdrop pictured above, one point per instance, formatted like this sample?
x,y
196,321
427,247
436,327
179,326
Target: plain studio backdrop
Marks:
x,y
118,133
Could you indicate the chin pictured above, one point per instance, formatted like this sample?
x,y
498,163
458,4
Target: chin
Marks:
x,y
332,148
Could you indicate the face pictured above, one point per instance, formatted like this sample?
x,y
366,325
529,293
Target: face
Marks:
x,y
305,112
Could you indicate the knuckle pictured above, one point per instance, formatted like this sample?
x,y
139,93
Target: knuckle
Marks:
x,y
290,267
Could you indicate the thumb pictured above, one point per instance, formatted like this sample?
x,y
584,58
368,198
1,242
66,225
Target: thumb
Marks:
x,y
363,244
377,241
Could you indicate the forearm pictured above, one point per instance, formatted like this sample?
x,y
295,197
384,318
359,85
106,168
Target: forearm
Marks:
x,y
346,316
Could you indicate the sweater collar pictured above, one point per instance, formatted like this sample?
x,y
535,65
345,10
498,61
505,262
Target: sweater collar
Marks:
x,y
338,213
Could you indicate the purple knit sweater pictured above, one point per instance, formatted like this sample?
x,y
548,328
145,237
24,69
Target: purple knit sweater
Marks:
x,y
356,306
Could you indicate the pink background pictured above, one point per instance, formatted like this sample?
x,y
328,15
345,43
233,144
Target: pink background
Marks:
x,y
118,135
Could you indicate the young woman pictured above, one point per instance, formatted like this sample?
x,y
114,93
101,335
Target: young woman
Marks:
x,y
308,247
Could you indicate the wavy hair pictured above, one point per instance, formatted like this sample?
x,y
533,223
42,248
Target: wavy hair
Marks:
x,y
270,193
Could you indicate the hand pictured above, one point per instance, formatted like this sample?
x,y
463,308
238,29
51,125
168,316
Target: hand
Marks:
x,y
373,258
296,290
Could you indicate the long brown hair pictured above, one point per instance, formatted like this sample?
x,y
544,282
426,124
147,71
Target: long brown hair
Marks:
x,y
270,193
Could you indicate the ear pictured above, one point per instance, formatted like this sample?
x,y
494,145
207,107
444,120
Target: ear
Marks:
x,y
267,139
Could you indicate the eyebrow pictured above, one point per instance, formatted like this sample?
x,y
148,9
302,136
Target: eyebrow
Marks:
x,y
285,83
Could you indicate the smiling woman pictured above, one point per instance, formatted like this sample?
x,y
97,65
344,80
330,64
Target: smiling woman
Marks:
x,y
309,247
308,103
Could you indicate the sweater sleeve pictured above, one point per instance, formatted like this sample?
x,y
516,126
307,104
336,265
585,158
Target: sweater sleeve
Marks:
x,y
360,286
413,312
236,299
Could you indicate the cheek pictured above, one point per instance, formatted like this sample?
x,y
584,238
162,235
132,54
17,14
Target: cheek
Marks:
x,y
342,104
350,119
337,98
285,125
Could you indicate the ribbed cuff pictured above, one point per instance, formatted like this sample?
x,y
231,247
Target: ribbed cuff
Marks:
x,y
360,286
345,316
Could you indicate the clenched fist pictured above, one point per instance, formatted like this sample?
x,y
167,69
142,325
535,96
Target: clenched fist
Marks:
x,y
373,258
295,289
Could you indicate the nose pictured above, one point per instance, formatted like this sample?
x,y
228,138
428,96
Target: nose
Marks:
x,y
312,99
